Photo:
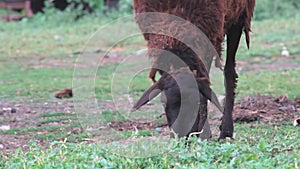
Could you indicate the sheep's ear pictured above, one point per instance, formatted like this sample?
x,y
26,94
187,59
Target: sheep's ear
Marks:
x,y
151,93
205,89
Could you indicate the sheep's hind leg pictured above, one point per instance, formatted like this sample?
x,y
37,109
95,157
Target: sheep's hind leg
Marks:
x,y
233,39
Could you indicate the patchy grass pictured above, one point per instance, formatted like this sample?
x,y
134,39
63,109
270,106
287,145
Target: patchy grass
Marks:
x,y
20,81
53,114
23,131
52,120
50,127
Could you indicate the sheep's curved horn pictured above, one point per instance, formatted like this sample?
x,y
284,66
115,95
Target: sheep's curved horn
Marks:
x,y
204,88
151,93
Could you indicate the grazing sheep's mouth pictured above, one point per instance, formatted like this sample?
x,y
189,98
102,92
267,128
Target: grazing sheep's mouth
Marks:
x,y
181,93
163,84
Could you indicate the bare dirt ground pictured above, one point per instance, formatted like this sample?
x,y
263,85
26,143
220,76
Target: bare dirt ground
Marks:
x,y
264,109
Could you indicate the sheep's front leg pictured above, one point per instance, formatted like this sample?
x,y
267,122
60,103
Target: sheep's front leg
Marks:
x,y
152,74
233,39
153,70
203,125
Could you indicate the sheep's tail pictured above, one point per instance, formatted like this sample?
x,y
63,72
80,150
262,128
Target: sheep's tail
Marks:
x,y
249,15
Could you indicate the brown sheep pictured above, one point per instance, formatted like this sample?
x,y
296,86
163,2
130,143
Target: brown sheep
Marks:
x,y
215,18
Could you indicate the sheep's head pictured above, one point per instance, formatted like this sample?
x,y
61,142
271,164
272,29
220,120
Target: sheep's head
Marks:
x,y
181,93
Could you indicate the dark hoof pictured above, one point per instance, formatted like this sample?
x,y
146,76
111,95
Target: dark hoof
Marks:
x,y
226,130
226,133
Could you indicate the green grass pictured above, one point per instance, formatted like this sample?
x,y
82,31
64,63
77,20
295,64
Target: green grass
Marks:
x,y
140,133
273,83
268,36
256,147
62,39
266,9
